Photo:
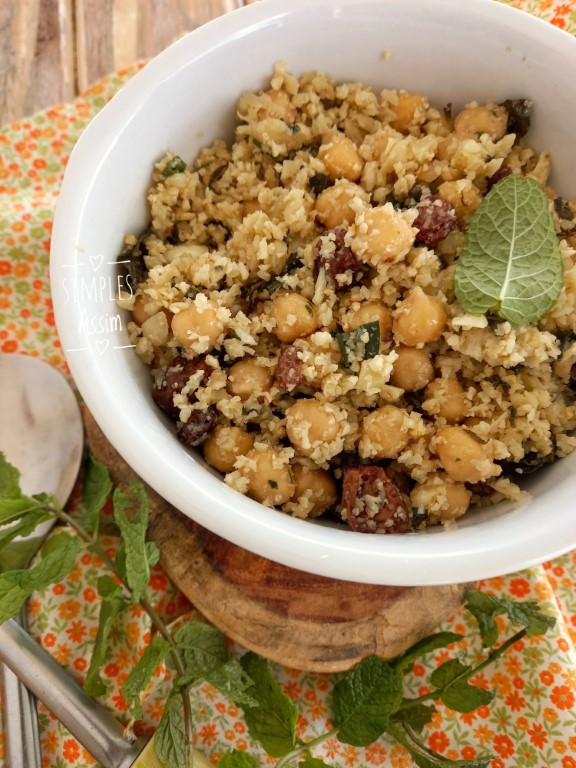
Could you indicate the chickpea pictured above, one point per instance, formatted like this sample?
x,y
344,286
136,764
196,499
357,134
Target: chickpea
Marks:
x,y
247,377
463,457
383,434
277,104
341,158
370,312
333,204
473,122
443,498
311,424
382,234
224,445
269,476
446,398
197,321
317,486
418,319
295,316
464,196
410,110
140,314
412,369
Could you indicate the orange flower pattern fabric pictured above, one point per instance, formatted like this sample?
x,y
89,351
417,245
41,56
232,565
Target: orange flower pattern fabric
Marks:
x,y
532,720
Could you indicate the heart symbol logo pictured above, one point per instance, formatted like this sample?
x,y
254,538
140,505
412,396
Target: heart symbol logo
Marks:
x,y
96,262
102,346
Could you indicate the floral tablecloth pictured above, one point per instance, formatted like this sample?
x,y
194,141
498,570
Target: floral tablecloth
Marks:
x,y
532,720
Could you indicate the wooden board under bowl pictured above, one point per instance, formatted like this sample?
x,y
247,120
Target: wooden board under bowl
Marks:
x,y
297,619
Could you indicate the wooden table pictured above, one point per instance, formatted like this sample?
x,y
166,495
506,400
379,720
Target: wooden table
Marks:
x,y
51,50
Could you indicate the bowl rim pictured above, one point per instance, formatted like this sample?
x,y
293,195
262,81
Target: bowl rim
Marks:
x,y
405,560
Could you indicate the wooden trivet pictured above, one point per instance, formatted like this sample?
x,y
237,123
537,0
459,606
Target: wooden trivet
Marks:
x,y
297,619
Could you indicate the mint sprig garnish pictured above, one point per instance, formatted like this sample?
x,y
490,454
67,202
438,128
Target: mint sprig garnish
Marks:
x,y
367,703
510,262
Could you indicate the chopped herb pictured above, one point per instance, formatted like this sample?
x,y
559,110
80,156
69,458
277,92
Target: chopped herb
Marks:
x,y
362,343
175,165
272,483
293,127
510,261
319,182
217,174
563,209
131,261
309,309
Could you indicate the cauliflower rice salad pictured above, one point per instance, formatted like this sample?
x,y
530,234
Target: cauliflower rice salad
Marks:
x,y
294,298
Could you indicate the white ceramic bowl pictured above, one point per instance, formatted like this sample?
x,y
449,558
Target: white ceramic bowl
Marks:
x,y
450,50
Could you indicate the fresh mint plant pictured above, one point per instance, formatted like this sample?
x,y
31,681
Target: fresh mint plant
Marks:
x,y
367,703
510,262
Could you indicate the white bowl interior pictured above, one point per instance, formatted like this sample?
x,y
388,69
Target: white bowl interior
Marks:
x,y
450,51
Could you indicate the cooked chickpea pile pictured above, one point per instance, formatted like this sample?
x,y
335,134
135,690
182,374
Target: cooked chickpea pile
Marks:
x,y
294,301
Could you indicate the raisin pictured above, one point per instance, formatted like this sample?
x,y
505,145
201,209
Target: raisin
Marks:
x,y
338,258
198,426
289,370
173,381
500,174
481,488
371,503
436,219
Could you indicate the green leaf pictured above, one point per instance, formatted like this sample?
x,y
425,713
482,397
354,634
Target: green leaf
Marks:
x,y
170,739
58,557
273,720
24,526
112,605
140,675
9,479
527,614
365,699
202,647
361,343
417,715
133,533
455,691
96,488
232,682
12,509
234,758
426,645
510,261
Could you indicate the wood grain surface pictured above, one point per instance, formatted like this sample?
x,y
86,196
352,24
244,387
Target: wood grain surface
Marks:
x,y
52,50
294,618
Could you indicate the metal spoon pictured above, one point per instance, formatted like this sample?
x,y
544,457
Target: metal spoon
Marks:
x,y
41,433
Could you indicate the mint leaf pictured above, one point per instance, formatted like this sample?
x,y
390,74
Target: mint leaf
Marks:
x,y
417,716
12,509
170,738
112,605
232,682
527,614
140,675
454,689
365,699
273,720
58,557
96,488
133,533
510,261
360,343
9,479
234,758
202,647
24,526
426,645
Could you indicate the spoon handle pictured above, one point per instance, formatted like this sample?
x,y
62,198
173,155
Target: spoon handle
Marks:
x,y
20,723
94,727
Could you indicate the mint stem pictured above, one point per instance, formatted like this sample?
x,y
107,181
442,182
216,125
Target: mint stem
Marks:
x,y
156,620
305,748
465,676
